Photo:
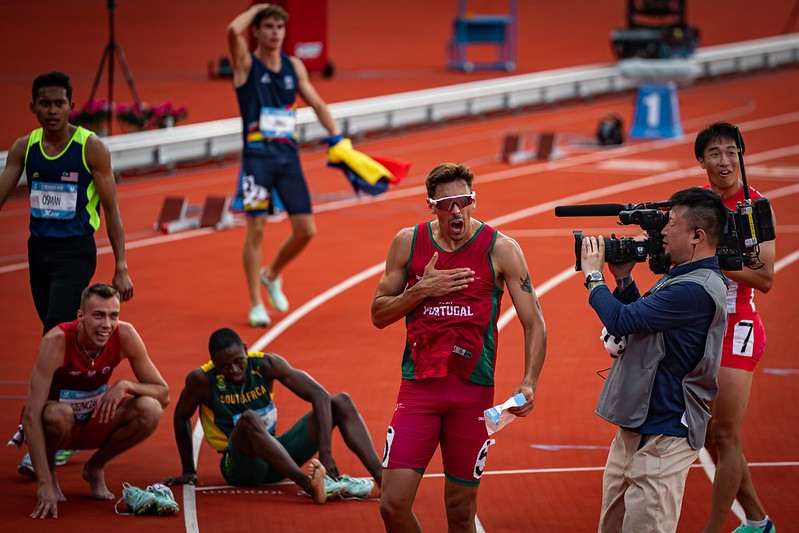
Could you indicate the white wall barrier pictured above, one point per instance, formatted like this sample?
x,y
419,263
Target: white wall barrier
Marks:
x,y
216,139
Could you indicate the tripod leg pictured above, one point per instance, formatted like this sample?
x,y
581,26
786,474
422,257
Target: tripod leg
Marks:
x,y
126,71
106,53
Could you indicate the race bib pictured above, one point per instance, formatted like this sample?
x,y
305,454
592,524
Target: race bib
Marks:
x,y
268,414
277,123
82,402
743,338
53,200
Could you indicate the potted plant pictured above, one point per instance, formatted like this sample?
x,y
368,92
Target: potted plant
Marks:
x,y
93,115
142,116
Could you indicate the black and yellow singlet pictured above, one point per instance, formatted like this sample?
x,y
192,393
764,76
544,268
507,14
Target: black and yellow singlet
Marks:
x,y
63,197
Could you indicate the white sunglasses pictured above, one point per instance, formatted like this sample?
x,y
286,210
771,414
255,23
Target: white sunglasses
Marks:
x,y
445,204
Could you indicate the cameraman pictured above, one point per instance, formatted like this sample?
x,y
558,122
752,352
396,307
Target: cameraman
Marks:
x,y
659,391
744,343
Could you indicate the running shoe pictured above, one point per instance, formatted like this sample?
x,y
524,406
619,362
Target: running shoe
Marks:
x,y
359,487
768,528
62,456
25,467
259,318
165,500
333,486
139,501
274,292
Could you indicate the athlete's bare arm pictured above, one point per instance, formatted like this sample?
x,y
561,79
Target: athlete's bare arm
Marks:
x,y
148,379
510,264
312,98
240,59
15,164
98,158
195,393
49,358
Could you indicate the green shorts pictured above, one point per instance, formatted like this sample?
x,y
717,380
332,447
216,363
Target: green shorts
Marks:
x,y
242,471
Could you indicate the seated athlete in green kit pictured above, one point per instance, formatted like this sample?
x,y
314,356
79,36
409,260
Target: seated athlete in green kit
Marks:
x,y
234,392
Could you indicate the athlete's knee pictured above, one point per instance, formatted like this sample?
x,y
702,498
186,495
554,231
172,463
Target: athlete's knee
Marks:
x,y
250,420
255,231
58,420
250,417
304,234
725,436
395,512
147,411
343,403
460,514
254,240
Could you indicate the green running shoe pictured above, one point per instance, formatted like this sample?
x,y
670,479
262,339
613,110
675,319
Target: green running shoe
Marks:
x,y
25,466
62,456
333,486
768,528
344,486
140,502
165,500
360,487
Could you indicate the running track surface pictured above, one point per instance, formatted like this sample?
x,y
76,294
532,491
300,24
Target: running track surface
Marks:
x,y
545,471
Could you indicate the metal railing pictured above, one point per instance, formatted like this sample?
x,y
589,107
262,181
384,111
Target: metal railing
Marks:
x,y
216,139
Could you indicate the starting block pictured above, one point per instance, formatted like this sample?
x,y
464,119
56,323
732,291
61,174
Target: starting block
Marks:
x,y
177,215
514,148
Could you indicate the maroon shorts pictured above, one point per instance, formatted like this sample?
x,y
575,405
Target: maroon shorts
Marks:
x,y
448,411
88,435
744,341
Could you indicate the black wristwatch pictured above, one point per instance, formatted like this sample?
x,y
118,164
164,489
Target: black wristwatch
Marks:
x,y
592,277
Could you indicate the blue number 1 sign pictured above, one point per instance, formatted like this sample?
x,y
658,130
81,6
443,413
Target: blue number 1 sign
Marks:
x,y
657,112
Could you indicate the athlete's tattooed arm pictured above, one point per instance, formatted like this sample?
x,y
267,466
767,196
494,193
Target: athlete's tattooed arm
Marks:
x,y
526,284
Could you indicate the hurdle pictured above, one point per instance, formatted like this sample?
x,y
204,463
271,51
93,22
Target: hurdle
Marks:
x,y
178,215
514,148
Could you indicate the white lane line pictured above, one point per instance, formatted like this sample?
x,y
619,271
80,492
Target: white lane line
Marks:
x,y
785,261
709,467
190,509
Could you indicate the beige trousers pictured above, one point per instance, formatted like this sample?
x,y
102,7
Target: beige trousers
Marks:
x,y
642,488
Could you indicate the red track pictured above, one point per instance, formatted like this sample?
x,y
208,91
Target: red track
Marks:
x,y
187,287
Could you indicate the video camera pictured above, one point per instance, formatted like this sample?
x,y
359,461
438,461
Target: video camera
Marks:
x,y
749,224
746,227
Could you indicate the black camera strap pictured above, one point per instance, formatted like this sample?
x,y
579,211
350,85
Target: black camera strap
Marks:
x,y
657,286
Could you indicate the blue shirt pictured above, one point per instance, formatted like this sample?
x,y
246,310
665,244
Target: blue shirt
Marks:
x,y
683,312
